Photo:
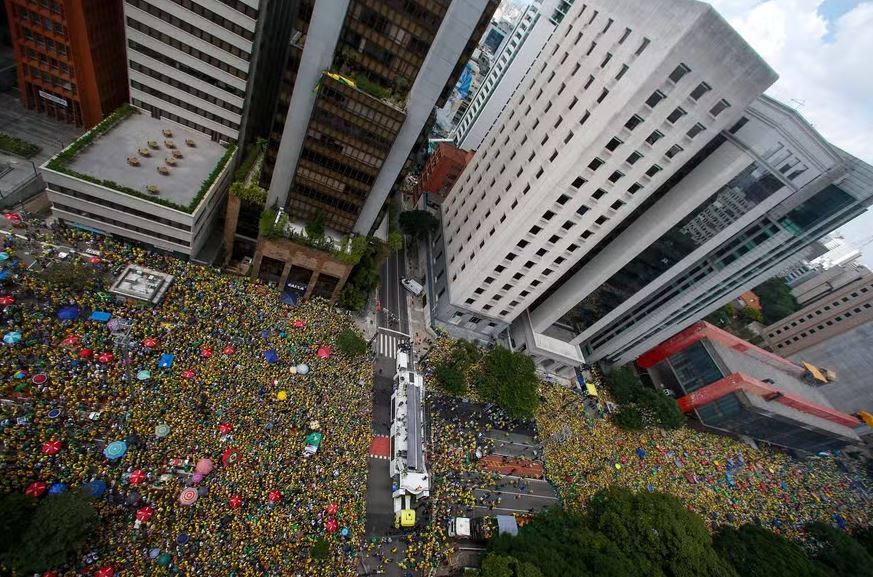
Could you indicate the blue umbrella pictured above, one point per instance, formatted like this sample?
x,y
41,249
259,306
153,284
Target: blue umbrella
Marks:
x,y
4,275
143,375
115,450
57,488
4,256
70,313
182,538
12,337
166,361
271,356
54,413
96,488
265,333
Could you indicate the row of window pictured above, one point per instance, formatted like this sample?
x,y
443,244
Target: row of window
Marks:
x,y
182,86
216,18
183,104
158,113
122,225
184,68
46,60
329,142
825,308
55,7
195,31
812,331
47,78
122,208
46,23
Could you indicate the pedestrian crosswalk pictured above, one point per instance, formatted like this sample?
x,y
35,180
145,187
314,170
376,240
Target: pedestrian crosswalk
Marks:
x,y
388,344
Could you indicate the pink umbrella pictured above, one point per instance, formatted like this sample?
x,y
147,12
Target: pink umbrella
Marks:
x,y
137,476
204,466
188,374
51,447
107,571
206,352
71,341
105,358
188,496
331,525
228,350
150,343
36,489
235,502
12,217
225,428
197,477
7,300
332,508
274,496
145,514
323,352
298,324
94,260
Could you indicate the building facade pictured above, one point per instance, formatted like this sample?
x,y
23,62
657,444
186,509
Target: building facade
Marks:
x,y
441,172
70,57
621,97
819,283
734,387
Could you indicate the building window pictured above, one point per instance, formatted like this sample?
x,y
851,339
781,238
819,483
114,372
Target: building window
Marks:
x,y
653,170
643,46
595,164
676,115
598,194
701,89
602,96
695,130
656,97
625,34
633,122
615,176
720,107
655,137
633,158
632,189
679,72
622,72
613,144
674,150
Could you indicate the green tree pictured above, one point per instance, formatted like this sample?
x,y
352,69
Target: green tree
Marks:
x,y
395,240
494,565
865,538
418,223
464,355
352,344
71,276
315,228
56,533
752,315
16,511
838,552
450,379
777,302
630,418
659,535
509,380
363,279
641,405
757,552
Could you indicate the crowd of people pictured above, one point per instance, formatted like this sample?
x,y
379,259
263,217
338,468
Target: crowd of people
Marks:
x,y
723,480
223,426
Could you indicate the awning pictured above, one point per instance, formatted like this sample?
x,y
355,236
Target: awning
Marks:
x,y
816,374
866,417
591,389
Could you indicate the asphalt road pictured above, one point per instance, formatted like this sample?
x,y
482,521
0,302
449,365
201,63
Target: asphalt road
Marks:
x,y
392,295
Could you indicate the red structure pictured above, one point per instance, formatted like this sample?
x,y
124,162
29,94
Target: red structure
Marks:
x,y
442,170
71,57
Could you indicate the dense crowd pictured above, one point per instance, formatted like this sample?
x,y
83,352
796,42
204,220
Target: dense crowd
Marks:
x,y
260,505
723,480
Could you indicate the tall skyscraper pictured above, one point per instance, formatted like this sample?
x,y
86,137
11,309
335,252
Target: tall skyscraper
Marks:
x,y
379,71
70,56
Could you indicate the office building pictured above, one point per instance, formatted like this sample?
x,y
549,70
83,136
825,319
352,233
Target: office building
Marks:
x,y
211,65
732,386
70,57
441,172
819,283
527,39
361,81
622,95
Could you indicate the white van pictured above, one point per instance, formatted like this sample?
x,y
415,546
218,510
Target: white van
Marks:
x,y
412,286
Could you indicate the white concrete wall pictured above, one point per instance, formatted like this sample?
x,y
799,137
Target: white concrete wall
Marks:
x,y
491,209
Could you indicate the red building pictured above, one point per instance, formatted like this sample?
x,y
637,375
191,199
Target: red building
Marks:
x,y
732,386
441,172
71,57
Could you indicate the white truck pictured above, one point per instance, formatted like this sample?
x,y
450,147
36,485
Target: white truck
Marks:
x,y
412,286
482,528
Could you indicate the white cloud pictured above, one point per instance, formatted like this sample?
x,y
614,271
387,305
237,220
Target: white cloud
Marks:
x,y
824,65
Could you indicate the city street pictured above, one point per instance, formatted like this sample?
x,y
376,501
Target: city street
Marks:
x,y
392,296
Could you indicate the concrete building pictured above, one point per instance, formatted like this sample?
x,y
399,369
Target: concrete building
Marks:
x,y
510,65
70,57
441,172
734,387
820,283
622,96
147,181
211,65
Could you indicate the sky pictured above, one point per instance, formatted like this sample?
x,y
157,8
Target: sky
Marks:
x,y
823,53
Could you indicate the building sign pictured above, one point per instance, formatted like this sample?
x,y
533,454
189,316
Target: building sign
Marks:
x,y
53,98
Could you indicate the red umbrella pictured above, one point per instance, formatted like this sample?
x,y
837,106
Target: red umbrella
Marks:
x,y
137,476
230,456
274,496
50,574
51,447
36,489
7,300
94,260
145,514
188,374
105,358
12,216
332,508
225,428
150,343
107,571
71,341
298,324
206,352
86,353
228,350
323,352
235,502
331,525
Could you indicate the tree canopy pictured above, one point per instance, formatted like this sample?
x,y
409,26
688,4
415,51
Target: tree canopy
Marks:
x,y
757,552
777,302
509,380
640,405
364,278
71,276
838,552
350,343
418,223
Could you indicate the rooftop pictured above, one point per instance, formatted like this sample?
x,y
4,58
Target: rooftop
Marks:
x,y
107,158
142,284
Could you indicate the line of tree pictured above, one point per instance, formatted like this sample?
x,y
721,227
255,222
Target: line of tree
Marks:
x,y
641,406
624,534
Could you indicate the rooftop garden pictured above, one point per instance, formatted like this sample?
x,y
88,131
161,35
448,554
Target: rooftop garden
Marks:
x,y
15,145
245,179
61,163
